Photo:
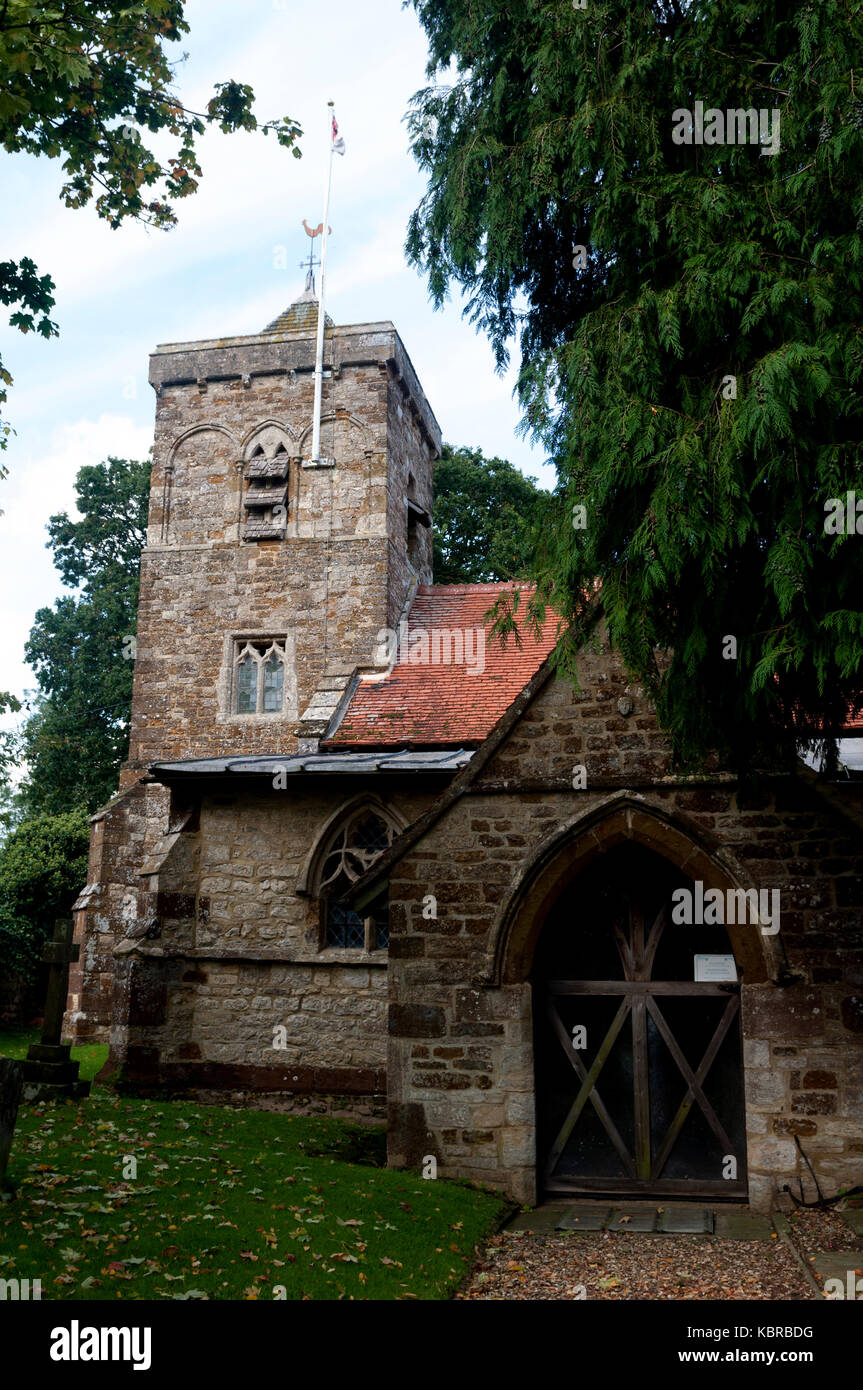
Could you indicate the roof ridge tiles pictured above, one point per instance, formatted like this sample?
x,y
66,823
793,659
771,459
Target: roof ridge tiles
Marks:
x,y
495,586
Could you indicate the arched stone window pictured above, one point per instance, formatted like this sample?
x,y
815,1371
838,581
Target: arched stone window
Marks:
x,y
259,678
357,842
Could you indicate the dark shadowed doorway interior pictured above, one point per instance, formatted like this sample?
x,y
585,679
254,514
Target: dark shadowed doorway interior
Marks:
x,y
638,1051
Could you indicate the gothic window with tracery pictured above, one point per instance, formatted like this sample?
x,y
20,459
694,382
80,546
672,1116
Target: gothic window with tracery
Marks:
x,y
259,677
357,844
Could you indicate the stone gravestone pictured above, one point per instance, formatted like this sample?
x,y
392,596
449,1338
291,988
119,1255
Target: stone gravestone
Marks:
x,y
10,1095
49,1073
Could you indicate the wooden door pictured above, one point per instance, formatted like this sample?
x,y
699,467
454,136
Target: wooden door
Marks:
x,y
639,1067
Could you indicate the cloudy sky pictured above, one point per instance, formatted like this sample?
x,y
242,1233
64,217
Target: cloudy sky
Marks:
x,y
84,395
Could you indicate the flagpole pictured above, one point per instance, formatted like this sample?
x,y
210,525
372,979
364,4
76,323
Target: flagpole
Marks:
x,y
319,356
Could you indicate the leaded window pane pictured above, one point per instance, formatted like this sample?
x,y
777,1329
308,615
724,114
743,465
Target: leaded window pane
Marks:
x,y
372,833
274,682
259,677
355,847
344,927
247,685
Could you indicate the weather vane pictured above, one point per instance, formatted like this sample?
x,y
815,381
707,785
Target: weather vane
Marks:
x,y
312,232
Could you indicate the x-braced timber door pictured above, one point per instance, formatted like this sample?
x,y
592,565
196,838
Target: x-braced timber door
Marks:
x,y
639,1068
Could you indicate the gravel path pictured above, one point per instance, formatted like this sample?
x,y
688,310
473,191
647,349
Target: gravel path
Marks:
x,y
814,1231
619,1265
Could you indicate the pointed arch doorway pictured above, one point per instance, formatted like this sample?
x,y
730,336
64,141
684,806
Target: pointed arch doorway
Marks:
x,y
639,1070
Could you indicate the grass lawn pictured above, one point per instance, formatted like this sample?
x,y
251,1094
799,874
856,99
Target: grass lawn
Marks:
x,y
225,1204
15,1041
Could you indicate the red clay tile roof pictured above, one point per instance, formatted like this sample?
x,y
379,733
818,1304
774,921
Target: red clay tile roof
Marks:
x,y
430,703
433,704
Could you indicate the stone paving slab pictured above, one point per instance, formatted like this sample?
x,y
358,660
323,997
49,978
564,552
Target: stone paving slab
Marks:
x,y
633,1219
698,1221
585,1219
835,1264
737,1223
853,1217
543,1220
729,1223
676,1219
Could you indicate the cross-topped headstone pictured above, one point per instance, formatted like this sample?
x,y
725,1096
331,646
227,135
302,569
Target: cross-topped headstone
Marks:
x,y
49,1071
10,1096
58,955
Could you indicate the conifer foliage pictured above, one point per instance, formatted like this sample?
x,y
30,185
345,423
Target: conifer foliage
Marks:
x,y
690,319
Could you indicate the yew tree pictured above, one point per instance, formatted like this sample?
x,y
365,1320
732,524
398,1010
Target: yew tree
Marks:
x,y
689,319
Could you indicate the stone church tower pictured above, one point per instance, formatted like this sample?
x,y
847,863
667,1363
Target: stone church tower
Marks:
x,y
265,579
254,548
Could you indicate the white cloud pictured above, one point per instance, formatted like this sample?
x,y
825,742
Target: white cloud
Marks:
x,y
250,185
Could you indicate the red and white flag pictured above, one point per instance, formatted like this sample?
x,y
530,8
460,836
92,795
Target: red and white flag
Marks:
x,y
338,142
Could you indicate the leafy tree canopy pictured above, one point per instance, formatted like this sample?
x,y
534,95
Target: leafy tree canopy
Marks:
x,y
82,649
9,754
88,82
43,867
484,511
695,370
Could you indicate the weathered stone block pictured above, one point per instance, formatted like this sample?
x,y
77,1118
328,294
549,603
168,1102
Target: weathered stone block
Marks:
x,y
765,1090
818,1103
818,1081
773,1155
794,1125
756,1052
416,1021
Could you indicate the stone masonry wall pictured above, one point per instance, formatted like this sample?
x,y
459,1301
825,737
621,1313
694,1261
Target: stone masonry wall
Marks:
x,y
460,1067
121,836
234,952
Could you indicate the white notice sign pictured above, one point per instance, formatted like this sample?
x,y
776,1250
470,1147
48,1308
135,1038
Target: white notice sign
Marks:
x,y
715,968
